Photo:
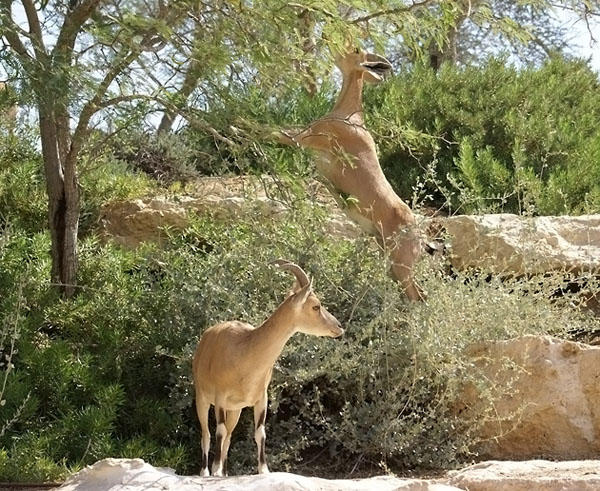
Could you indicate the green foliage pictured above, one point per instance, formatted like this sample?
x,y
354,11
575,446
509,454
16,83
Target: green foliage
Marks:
x,y
477,139
498,138
23,200
104,179
108,373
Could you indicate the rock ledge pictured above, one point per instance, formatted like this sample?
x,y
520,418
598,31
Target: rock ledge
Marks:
x,y
536,475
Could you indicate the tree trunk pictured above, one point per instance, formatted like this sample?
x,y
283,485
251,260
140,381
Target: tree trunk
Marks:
x,y
190,82
447,53
63,204
306,28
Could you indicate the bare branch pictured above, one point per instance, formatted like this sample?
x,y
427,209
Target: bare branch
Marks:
x,y
35,29
11,29
93,105
397,10
198,123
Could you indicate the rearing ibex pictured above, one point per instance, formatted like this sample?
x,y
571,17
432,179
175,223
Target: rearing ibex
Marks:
x,y
348,161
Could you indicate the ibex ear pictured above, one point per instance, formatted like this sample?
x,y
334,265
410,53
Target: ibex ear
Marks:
x,y
301,295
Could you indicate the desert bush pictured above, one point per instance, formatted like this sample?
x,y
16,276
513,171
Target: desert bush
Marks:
x,y
493,138
166,158
473,139
108,372
22,186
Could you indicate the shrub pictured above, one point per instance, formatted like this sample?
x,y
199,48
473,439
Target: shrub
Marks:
x,y
23,201
108,372
498,138
475,139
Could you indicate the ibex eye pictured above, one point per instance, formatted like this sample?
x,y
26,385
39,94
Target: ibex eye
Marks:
x,y
357,50
316,307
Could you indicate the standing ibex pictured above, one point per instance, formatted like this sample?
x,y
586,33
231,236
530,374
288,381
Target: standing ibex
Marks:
x,y
233,364
348,161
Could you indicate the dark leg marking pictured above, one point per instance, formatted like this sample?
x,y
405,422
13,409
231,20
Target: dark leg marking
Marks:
x,y
261,453
219,443
205,460
261,419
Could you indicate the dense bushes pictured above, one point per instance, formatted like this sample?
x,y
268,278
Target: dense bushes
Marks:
x,y
474,139
108,373
497,138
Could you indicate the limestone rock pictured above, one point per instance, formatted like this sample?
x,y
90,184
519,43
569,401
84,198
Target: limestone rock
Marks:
x,y
552,405
136,475
130,223
535,475
505,243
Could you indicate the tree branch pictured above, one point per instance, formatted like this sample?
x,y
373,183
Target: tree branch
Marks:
x,y
11,29
94,104
72,26
35,29
397,10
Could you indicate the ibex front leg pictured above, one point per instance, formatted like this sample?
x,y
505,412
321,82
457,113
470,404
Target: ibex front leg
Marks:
x,y
260,416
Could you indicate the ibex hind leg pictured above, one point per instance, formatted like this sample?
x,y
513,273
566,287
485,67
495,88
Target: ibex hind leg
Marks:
x,y
404,254
231,420
202,407
221,436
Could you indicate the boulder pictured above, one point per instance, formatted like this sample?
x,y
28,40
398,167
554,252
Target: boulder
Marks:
x,y
129,223
512,244
551,405
537,475
534,475
136,475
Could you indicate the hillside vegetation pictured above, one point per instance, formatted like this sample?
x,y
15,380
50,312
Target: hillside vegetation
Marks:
x,y
107,372
492,138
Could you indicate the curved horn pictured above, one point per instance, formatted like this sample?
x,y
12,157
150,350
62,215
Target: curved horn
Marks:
x,y
296,270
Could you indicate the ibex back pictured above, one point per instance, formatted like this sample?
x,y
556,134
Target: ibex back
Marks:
x,y
347,158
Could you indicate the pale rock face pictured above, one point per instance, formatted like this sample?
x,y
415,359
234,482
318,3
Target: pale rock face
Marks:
x,y
536,475
136,475
129,223
552,404
532,475
507,243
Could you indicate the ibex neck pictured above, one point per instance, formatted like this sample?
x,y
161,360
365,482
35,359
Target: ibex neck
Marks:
x,y
349,103
270,337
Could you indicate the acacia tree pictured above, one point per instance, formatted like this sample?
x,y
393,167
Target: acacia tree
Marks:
x,y
290,40
529,30
76,60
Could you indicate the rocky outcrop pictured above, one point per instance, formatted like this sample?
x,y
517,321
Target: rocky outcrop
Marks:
x,y
523,245
538,475
136,475
551,406
502,244
532,475
130,223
